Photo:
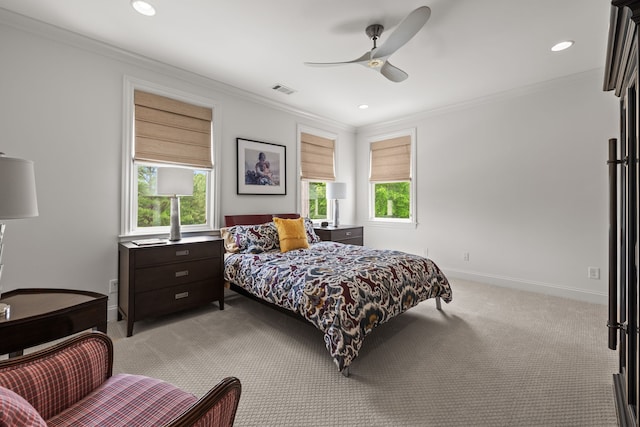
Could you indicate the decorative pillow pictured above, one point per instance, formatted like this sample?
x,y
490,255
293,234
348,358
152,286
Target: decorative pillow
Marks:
x,y
15,411
229,237
312,237
250,238
292,234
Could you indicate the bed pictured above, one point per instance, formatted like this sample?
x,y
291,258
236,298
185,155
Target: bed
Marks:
x,y
343,290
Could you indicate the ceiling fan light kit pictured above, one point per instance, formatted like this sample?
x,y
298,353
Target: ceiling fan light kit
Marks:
x,y
377,58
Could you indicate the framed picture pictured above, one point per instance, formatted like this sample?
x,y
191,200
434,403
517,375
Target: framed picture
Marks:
x,y
262,167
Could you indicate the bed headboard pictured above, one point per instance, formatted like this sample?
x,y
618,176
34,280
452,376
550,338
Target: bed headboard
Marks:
x,y
251,219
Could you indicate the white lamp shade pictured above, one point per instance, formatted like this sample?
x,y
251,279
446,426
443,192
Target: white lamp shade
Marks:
x,y
336,190
175,181
17,188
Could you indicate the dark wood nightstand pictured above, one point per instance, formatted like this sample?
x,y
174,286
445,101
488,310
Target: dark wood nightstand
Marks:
x,y
349,234
168,277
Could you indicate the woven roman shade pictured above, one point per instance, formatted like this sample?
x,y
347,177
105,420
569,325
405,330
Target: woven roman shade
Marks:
x,y
171,131
316,158
391,160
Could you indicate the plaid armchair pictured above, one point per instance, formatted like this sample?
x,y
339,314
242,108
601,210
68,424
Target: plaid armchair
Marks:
x,y
71,384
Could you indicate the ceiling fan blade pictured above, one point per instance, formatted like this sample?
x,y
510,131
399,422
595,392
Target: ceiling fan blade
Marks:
x,y
405,31
393,73
363,59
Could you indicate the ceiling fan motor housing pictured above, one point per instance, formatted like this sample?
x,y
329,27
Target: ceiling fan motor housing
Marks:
x,y
374,31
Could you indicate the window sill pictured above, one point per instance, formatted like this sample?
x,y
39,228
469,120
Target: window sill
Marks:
x,y
397,224
160,233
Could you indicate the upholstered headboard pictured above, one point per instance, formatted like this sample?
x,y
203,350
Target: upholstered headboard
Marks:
x,y
250,219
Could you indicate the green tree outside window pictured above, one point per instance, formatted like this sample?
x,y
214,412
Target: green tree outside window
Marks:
x,y
392,200
154,211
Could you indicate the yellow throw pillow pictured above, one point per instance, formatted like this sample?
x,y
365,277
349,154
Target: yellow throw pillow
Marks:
x,y
291,233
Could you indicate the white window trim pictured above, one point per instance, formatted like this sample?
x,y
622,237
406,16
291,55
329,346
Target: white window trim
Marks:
x,y
129,193
396,222
323,134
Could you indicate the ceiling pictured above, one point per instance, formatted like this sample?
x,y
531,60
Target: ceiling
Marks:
x,y
468,49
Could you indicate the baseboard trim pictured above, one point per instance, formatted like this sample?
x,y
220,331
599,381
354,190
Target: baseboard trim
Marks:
x,y
529,285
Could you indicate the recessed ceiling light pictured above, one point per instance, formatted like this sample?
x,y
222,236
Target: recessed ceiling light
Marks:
x,y
562,45
363,106
143,7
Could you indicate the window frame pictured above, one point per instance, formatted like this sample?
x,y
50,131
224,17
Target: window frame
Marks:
x,y
129,196
412,220
301,182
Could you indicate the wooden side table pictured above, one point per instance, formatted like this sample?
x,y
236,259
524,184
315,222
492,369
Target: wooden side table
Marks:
x,y
39,315
348,234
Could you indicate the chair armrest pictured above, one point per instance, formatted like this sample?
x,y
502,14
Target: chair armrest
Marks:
x,y
216,408
56,377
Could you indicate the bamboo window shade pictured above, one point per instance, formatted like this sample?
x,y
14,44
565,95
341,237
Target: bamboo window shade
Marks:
x,y
391,160
171,131
316,157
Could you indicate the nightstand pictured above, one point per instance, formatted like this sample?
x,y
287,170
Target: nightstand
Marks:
x,y
348,234
167,277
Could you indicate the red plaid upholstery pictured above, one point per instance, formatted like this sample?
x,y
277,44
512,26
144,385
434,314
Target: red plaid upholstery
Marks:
x,y
17,412
53,383
127,400
70,384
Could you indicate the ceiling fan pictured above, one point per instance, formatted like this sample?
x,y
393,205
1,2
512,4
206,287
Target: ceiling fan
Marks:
x,y
377,57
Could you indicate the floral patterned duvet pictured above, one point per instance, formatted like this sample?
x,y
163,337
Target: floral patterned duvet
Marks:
x,y
344,290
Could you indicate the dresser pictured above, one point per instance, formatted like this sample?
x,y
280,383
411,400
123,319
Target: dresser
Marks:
x,y
171,276
348,234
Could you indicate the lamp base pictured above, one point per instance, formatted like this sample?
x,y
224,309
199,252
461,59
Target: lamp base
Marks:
x,y
174,232
336,213
5,310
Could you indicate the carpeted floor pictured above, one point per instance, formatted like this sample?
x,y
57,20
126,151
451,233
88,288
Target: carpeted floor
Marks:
x,y
493,357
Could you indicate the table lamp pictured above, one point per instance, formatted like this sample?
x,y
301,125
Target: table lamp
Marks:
x,y
335,192
17,200
175,182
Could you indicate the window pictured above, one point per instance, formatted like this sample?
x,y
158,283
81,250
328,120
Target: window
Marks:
x,y
390,177
166,131
154,210
316,169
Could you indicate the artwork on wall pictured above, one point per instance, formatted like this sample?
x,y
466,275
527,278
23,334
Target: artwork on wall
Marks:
x,y
261,167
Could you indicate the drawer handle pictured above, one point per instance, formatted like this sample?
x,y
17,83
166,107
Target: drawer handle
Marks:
x,y
348,233
182,273
182,295
182,253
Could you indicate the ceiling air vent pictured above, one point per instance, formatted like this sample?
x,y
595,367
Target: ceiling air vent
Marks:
x,y
283,89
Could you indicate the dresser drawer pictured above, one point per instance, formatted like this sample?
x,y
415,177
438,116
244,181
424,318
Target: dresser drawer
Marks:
x,y
176,253
175,298
340,235
162,276
356,241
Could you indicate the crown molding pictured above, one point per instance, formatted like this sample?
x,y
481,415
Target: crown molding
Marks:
x,y
79,41
476,102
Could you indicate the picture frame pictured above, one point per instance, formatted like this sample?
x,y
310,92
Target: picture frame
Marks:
x,y
261,168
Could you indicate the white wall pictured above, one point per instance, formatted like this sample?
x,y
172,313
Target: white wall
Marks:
x,y
61,105
519,181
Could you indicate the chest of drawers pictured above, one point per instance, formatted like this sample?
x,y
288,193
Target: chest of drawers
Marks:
x,y
160,279
349,234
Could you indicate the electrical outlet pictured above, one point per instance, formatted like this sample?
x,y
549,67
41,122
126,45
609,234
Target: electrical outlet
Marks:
x,y
465,256
593,273
113,286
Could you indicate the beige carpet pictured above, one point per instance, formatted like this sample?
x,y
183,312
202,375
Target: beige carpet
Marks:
x,y
493,357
